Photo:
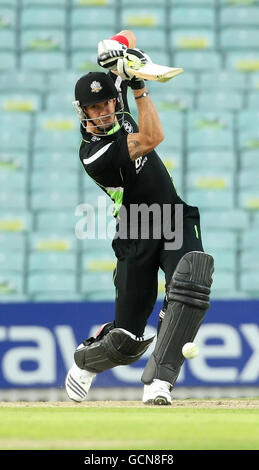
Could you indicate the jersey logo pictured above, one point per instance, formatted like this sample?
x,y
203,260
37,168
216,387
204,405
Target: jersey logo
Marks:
x,y
96,87
128,127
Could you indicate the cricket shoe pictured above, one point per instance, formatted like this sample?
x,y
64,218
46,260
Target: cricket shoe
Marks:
x,y
157,393
78,382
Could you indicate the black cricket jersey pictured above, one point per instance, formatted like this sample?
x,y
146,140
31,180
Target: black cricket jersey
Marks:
x,y
106,160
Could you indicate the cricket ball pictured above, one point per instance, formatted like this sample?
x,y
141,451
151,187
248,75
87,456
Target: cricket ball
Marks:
x,y
190,350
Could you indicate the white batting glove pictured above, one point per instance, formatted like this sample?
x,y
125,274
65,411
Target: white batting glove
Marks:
x,y
109,51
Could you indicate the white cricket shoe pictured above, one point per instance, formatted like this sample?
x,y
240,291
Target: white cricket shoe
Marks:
x,y
157,393
78,382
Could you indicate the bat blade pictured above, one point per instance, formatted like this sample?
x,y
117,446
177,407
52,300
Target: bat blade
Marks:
x,y
151,71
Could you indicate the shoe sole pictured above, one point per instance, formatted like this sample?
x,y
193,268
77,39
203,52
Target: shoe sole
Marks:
x,y
160,401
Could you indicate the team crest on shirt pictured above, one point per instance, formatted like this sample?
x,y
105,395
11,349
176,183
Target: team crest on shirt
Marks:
x,y
96,87
128,127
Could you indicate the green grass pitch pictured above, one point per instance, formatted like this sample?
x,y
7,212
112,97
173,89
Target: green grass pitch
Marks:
x,y
130,426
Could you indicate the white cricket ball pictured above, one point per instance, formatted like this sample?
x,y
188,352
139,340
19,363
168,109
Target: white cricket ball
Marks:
x,y
190,350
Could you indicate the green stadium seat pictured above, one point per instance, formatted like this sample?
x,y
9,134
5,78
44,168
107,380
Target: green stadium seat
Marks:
x,y
57,121
11,285
7,40
15,221
253,100
43,40
82,63
60,100
51,282
44,199
185,81
197,60
43,17
248,178
25,81
21,141
52,262
92,3
192,17
8,17
52,241
249,199
255,221
243,16
52,180
224,260
255,81
243,61
249,159
225,100
249,282
9,3
43,61
133,18
43,3
14,160
219,240
231,38
98,261
222,80
65,80
210,179
95,17
98,286
57,220
211,199
249,139
247,120
160,3
13,201
172,118
8,119
224,285
214,160
7,61
187,3
173,100
212,139
12,262
225,220
84,39
53,296
14,242
25,102
13,181
193,39
53,160
210,119
151,40
249,239
249,259
56,140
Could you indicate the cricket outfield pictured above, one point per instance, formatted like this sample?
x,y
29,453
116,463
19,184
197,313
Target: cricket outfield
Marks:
x,y
221,424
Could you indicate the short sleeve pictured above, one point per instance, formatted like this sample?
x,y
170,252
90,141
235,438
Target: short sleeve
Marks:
x,y
104,155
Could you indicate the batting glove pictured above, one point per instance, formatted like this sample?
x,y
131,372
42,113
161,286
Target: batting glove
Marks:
x,y
134,59
109,51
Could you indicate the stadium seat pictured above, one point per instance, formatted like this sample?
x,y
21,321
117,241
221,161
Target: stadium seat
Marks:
x,y
93,3
151,40
54,180
21,142
98,286
13,181
66,80
98,261
25,101
42,17
51,282
60,100
84,39
247,120
15,221
225,220
53,160
54,262
249,159
57,220
222,80
249,139
197,60
210,119
243,16
11,286
57,121
7,61
13,201
212,139
12,262
213,160
211,199
7,40
185,81
209,179
43,40
174,100
253,100
231,38
192,17
249,259
22,121
42,3
224,260
84,62
56,140
25,81
14,242
224,285
248,178
255,81
192,39
45,200
249,282
219,240
93,17
8,17
249,199
224,100
14,159
133,17
247,61
43,61
52,241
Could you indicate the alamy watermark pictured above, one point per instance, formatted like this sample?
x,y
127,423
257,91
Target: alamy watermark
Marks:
x,y
139,221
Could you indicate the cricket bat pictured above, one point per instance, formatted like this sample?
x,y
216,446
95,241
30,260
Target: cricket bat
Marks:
x,y
151,71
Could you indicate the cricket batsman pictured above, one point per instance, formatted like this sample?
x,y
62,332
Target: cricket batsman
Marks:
x,y
120,157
